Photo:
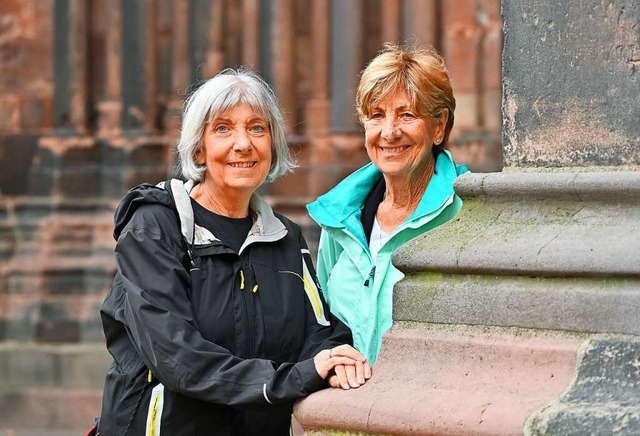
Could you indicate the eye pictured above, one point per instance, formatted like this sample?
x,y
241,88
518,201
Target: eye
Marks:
x,y
257,128
407,116
221,128
376,116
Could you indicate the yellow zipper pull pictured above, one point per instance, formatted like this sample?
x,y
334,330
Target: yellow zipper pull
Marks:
x,y
255,289
241,279
149,377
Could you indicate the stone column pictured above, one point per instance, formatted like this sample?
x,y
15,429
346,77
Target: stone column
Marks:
x,y
390,20
250,34
110,110
421,21
284,58
215,53
317,114
346,40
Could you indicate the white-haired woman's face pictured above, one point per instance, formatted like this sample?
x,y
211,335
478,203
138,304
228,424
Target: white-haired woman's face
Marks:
x,y
236,150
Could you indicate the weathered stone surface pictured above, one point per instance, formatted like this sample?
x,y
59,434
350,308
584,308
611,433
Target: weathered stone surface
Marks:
x,y
572,304
603,398
571,83
29,364
540,225
58,408
448,380
16,155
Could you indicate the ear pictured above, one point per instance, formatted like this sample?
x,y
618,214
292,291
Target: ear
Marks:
x,y
441,126
199,157
442,120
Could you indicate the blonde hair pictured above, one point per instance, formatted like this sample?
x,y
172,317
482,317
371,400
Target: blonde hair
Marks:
x,y
420,72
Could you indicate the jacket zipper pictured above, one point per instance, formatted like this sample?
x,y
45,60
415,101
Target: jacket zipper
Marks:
x,y
246,313
372,274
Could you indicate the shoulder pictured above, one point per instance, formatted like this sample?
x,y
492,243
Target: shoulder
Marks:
x,y
293,228
146,207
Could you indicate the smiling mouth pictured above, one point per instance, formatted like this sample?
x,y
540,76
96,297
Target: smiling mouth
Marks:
x,y
394,150
242,164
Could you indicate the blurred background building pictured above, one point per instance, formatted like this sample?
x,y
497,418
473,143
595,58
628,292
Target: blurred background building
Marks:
x,y
90,99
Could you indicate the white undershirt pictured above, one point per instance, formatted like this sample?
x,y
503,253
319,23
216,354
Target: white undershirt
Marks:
x,y
377,240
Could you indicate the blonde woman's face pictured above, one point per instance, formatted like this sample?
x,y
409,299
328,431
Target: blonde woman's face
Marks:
x,y
398,140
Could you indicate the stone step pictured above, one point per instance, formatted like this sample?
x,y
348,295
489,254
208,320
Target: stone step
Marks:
x,y
446,380
70,409
30,366
541,225
46,318
578,304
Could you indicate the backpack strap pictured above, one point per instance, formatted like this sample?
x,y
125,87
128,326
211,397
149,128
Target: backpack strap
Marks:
x,y
179,192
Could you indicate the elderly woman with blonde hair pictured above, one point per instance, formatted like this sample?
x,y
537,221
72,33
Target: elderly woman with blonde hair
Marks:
x,y
405,103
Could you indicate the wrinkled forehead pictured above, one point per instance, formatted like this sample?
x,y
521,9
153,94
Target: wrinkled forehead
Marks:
x,y
236,97
394,98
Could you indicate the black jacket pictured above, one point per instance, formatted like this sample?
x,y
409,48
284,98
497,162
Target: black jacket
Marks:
x,y
219,344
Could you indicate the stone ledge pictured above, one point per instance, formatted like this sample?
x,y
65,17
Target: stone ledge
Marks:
x,y
449,380
518,235
572,304
45,366
62,408
584,186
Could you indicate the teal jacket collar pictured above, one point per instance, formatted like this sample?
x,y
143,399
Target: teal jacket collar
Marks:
x,y
341,207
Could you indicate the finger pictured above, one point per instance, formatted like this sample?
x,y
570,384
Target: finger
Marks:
x,y
348,351
351,376
333,381
342,376
340,360
360,372
368,371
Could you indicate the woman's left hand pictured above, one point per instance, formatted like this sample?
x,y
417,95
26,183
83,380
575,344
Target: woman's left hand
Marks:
x,y
349,376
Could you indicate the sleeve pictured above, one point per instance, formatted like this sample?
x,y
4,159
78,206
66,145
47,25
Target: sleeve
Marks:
x,y
154,308
323,329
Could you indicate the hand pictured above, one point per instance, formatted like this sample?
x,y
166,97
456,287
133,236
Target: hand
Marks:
x,y
348,375
326,360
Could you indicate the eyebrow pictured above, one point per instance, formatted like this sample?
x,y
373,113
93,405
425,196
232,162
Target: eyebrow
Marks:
x,y
229,120
399,108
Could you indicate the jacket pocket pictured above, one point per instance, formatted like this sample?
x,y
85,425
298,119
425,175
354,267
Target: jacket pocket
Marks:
x,y
281,299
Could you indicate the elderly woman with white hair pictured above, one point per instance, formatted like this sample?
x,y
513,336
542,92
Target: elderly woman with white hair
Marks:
x,y
215,322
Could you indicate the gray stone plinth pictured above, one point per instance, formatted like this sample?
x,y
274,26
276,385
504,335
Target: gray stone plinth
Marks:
x,y
536,250
571,83
602,400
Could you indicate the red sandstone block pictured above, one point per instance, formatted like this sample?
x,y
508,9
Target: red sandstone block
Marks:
x,y
33,114
449,381
46,408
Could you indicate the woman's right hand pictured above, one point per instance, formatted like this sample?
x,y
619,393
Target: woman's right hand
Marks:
x,y
347,366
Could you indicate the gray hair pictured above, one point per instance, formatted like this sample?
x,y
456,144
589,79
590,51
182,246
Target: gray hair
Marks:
x,y
227,89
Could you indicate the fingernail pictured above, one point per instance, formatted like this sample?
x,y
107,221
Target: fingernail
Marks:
x,y
346,387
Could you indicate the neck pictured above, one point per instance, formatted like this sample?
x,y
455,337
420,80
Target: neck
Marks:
x,y
232,204
402,196
406,191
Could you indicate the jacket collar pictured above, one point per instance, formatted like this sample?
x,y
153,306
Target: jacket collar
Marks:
x,y
340,206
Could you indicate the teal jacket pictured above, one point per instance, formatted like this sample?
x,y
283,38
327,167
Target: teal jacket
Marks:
x,y
356,292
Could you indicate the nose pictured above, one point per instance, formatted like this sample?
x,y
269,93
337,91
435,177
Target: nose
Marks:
x,y
390,130
242,142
